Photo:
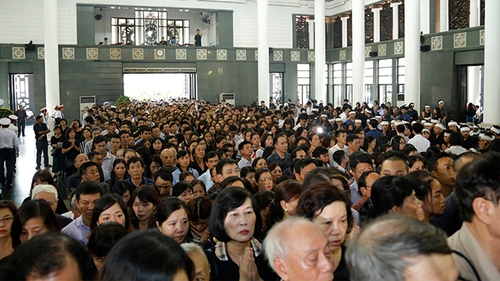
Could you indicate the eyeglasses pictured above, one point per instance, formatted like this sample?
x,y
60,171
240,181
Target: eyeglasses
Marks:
x,y
6,220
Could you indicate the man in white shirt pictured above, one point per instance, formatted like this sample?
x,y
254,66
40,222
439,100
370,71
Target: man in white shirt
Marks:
x,y
245,147
418,141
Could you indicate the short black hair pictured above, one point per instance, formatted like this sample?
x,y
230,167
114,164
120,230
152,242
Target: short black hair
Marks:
x,y
224,162
360,157
88,187
229,199
164,174
432,165
146,255
351,138
209,155
242,144
99,139
104,237
302,163
478,179
44,255
417,128
135,159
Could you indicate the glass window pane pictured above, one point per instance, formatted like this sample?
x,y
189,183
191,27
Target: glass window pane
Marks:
x,y
385,63
368,64
401,79
385,72
401,61
385,79
349,80
401,71
303,81
337,66
302,66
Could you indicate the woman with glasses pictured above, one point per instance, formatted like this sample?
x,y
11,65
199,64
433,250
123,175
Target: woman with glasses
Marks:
x,y
7,213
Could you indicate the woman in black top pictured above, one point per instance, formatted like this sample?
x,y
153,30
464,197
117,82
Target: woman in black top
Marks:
x,y
70,149
327,207
233,221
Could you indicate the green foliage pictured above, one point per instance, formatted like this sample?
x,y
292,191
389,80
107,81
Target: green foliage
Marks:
x,y
123,101
5,112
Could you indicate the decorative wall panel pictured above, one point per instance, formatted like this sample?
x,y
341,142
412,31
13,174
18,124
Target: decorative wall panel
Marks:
x,y
368,25
402,19
386,22
302,31
458,14
41,53
349,31
482,12
337,33
18,53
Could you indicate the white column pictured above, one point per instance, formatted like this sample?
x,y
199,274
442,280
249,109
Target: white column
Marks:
x,y
358,50
51,49
376,23
474,13
319,51
491,62
344,19
263,49
395,20
443,15
473,85
412,52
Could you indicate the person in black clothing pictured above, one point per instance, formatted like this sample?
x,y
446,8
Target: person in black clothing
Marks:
x,y
233,222
21,121
197,38
42,145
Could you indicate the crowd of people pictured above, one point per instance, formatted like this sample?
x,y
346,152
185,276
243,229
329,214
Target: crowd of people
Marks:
x,y
188,190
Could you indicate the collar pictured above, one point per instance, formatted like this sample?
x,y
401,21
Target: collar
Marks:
x,y
221,252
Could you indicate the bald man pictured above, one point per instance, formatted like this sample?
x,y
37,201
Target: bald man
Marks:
x,y
298,250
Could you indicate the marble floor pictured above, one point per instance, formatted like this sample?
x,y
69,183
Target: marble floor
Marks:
x,y
25,168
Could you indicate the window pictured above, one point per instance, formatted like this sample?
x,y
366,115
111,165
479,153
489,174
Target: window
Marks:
x,y
349,82
338,70
180,30
303,82
151,26
401,75
122,31
385,80
368,95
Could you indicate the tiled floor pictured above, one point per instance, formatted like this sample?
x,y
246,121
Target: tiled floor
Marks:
x,y
25,168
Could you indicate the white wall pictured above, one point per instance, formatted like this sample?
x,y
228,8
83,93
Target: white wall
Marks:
x,y
22,20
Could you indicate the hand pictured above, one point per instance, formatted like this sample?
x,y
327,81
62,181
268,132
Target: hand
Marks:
x,y
248,269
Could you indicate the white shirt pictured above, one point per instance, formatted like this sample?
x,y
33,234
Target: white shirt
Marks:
x,y
420,143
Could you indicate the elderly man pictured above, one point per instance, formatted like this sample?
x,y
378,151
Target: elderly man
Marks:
x,y
48,193
395,247
297,249
477,243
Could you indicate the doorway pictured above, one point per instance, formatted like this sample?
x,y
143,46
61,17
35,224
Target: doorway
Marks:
x,y
471,88
159,86
276,86
21,90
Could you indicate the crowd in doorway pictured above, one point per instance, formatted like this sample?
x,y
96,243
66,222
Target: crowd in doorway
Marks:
x,y
193,190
